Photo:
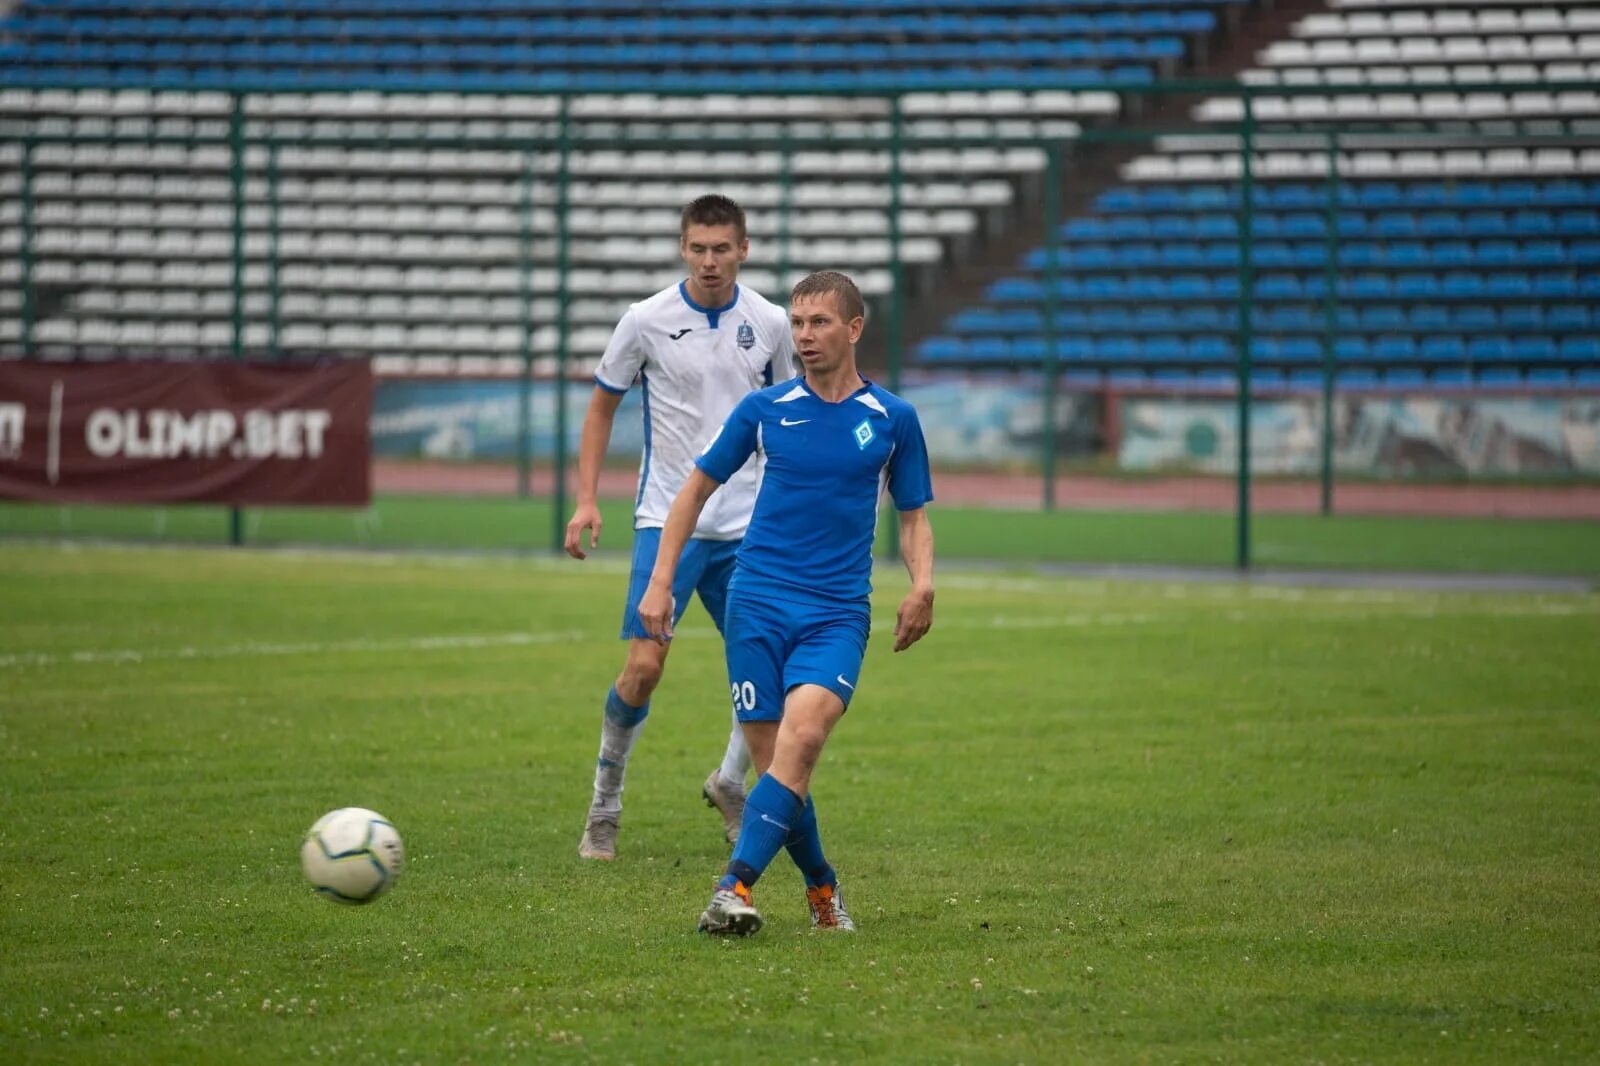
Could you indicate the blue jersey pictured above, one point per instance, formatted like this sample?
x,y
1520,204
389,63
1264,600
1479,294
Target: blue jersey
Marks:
x,y
816,515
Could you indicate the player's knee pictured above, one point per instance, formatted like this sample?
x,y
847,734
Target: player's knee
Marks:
x,y
639,679
806,739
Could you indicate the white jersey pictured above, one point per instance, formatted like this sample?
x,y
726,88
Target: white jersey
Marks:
x,y
695,364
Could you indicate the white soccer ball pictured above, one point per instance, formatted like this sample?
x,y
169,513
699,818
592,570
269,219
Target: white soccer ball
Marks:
x,y
352,855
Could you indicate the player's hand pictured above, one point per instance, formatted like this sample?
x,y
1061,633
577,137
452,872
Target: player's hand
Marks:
x,y
655,611
914,618
587,516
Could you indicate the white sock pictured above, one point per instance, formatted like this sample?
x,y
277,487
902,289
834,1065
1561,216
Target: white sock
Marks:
x,y
618,732
736,760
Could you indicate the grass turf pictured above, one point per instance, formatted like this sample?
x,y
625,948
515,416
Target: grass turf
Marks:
x,y
1085,821
1176,538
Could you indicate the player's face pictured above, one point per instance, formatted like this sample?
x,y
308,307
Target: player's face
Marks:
x,y
822,335
713,255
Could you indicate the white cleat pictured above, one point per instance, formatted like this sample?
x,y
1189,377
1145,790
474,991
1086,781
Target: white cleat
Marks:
x,y
727,799
730,913
599,838
827,909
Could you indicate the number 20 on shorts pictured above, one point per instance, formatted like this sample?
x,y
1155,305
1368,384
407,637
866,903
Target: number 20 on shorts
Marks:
x,y
744,695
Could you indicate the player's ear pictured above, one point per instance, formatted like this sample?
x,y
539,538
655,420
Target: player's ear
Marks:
x,y
857,325
744,248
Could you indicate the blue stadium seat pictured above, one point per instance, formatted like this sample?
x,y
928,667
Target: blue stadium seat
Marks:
x,y
1265,349
1118,350
940,349
1578,224
1442,349
1425,317
1416,287
1508,286
1488,350
1378,317
1394,225
1207,349
1213,227
1279,287
1561,318
1302,350
988,349
1555,286
1394,349
1528,223
1350,349
1199,319
1357,379
1165,349
1580,349
1016,290
1028,349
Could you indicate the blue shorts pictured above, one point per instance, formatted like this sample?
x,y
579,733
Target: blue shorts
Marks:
x,y
704,567
772,646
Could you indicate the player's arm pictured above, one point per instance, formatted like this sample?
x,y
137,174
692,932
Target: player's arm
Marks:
x,y
655,607
915,616
596,435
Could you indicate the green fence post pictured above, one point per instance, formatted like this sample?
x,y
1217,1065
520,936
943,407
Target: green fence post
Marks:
x,y
25,264
525,311
895,337
558,522
274,230
1246,284
1330,318
785,220
236,150
1052,275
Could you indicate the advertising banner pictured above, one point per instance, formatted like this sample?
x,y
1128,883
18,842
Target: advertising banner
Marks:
x,y
964,420
1394,436
159,432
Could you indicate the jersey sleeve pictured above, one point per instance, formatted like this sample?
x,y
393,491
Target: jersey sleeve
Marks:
x,y
910,481
734,442
623,359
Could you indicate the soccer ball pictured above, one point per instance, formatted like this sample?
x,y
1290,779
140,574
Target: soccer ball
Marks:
x,y
352,855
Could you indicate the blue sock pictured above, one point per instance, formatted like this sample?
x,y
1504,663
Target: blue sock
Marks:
x,y
805,848
623,715
771,812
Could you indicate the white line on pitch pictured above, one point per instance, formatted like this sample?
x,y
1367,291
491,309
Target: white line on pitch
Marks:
x,y
257,649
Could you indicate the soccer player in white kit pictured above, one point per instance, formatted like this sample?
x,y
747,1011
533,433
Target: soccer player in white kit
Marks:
x,y
695,350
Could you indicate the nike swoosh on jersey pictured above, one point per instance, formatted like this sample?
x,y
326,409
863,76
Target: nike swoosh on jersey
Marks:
x,y
796,422
840,678
774,821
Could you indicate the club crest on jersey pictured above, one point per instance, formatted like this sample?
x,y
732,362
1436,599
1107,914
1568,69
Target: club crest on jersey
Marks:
x,y
746,336
863,434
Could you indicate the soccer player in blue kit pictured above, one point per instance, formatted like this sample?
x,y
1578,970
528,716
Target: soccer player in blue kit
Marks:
x,y
695,349
798,603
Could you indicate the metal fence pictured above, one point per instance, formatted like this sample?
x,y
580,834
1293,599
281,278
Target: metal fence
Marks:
x,y
256,149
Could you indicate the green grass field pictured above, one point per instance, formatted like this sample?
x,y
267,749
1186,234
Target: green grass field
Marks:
x,y
1084,821
1069,536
